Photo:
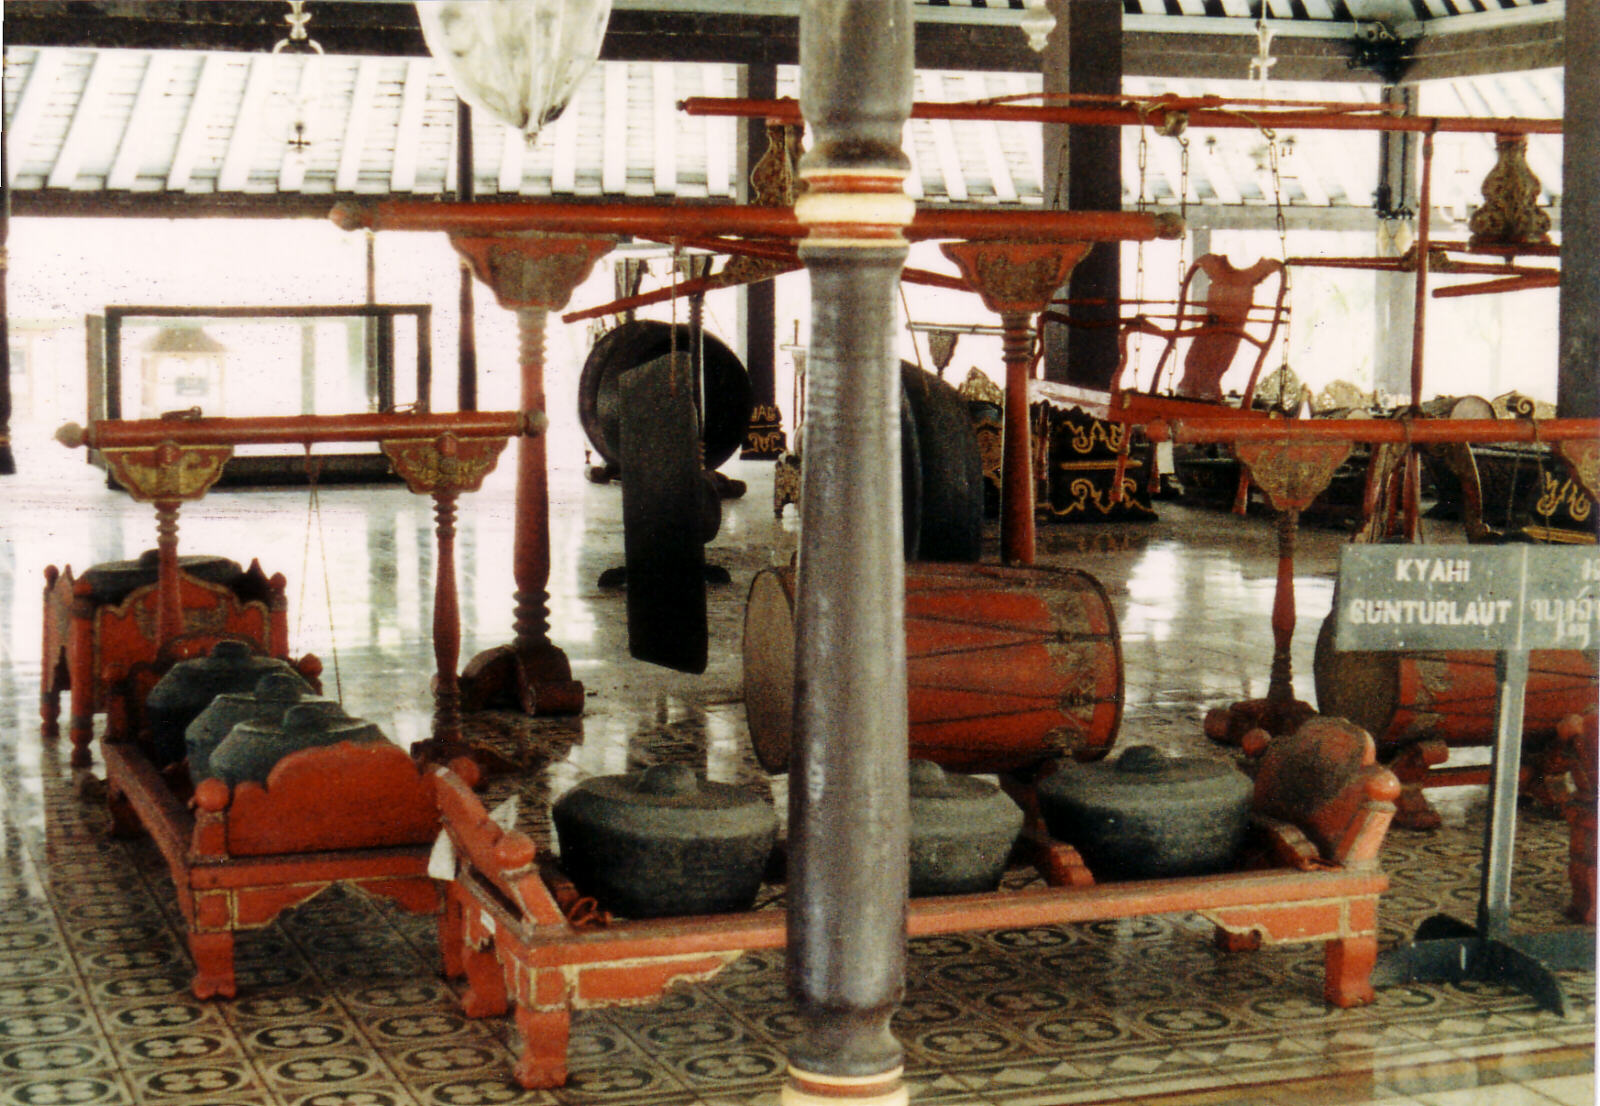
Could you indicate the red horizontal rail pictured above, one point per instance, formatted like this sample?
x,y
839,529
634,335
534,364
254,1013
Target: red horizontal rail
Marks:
x,y
293,429
666,222
1156,115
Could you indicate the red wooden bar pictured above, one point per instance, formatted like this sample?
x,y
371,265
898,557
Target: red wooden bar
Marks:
x,y
664,222
292,429
1158,112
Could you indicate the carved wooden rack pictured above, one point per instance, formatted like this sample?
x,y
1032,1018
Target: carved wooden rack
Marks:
x,y
360,814
525,939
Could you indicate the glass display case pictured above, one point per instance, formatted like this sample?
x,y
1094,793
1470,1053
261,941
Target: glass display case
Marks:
x,y
247,362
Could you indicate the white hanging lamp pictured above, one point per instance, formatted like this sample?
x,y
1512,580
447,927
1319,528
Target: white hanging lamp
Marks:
x,y
517,60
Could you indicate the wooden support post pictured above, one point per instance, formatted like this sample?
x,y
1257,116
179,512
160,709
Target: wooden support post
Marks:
x,y
8,464
1016,280
849,803
1083,172
467,325
531,274
1578,365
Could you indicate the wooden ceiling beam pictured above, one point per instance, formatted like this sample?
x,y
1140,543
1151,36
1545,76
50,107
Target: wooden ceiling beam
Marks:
x,y
408,137
356,127
30,111
88,123
236,163
133,147
192,139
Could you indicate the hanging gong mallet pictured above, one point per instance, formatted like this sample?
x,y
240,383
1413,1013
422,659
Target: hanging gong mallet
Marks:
x,y
669,511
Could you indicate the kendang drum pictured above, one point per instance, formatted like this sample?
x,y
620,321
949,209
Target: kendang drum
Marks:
x,y
1007,668
1402,698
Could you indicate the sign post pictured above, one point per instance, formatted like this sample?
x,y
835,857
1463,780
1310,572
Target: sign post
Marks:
x,y
1508,599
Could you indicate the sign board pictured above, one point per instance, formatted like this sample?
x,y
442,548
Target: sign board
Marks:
x,y
1501,598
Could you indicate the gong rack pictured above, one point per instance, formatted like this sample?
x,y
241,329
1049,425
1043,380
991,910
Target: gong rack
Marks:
x,y
176,459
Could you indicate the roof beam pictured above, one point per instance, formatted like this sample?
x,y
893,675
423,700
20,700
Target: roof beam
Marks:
x,y
235,172
614,131
356,127
408,139
88,122
30,110
127,162
193,136
665,127
564,168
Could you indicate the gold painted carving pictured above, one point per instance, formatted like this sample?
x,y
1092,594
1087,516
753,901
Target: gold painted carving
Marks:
x,y
443,464
1292,474
167,471
1510,214
978,388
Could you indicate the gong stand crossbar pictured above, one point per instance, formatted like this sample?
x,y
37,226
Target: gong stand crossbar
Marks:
x,y
1157,113
167,462
669,222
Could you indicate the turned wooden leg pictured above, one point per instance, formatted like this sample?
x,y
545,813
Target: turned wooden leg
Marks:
x,y
80,693
124,820
1412,768
452,935
49,707
213,964
1348,964
485,996
543,1061
1581,860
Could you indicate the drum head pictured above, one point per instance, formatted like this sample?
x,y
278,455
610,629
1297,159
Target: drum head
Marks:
x,y
769,667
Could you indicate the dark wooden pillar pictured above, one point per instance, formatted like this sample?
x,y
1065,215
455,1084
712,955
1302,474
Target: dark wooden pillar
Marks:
x,y
758,302
1083,172
1578,370
8,463
848,803
467,325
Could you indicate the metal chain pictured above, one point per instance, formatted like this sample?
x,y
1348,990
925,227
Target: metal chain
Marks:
x,y
1283,239
1183,208
1137,353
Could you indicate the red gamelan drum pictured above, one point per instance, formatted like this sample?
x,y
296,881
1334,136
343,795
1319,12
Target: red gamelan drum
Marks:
x,y
1007,668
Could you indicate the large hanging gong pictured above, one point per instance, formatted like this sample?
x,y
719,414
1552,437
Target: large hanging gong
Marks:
x,y
669,511
726,393
948,512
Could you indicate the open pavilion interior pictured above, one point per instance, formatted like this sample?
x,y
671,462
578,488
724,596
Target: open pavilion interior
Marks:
x,y
163,156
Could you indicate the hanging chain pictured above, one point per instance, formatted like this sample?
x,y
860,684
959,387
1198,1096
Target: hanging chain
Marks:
x,y
314,511
1183,208
1283,240
1136,355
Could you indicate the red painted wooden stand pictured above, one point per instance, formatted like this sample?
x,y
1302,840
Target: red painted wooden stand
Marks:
x,y
523,937
359,814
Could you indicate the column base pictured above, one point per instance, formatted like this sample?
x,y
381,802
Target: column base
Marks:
x,y
533,678
803,1088
1228,725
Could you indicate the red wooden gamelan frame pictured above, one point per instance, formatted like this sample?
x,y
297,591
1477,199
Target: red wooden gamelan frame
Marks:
x,y
344,813
523,937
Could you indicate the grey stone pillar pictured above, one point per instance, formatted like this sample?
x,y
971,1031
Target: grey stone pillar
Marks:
x,y
1578,370
1083,172
848,803
1394,294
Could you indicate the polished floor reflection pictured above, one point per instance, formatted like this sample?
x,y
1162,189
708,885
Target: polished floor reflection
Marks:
x,y
341,1001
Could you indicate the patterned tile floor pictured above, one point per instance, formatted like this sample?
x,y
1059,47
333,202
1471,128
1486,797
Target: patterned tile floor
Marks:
x,y
341,1002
